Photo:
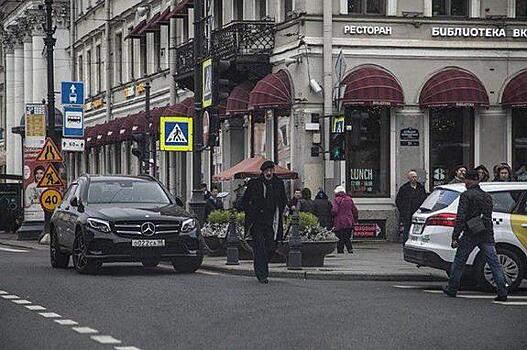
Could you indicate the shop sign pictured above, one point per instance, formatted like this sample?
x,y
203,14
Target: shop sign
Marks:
x,y
369,229
140,88
367,30
129,91
362,180
97,103
409,137
477,32
439,176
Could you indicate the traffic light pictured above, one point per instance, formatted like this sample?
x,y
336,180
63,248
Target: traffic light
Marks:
x,y
337,146
140,150
221,85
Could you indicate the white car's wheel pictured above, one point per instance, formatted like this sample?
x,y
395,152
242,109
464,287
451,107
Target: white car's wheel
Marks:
x,y
513,268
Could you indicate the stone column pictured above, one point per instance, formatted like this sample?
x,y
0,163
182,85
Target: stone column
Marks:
x,y
10,110
28,70
39,69
19,105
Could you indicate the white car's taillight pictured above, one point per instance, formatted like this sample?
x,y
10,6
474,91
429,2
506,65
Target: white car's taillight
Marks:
x,y
443,219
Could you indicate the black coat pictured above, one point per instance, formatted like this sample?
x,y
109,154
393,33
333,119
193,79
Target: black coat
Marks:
x,y
212,204
408,200
254,204
474,202
322,209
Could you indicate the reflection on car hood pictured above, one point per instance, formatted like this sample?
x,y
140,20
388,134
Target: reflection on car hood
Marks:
x,y
136,211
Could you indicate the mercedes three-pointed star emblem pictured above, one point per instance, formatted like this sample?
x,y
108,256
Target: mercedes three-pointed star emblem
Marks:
x,y
148,229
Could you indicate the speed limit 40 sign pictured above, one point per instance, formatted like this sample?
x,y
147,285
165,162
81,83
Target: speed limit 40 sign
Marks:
x,y
50,199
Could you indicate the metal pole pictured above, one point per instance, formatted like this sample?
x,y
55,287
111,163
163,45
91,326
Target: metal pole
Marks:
x,y
148,134
233,242
197,202
294,261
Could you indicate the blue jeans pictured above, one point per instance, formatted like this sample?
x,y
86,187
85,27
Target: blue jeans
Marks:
x,y
406,230
466,246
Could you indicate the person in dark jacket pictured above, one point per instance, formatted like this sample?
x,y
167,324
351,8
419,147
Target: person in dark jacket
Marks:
x,y
294,200
474,205
409,198
345,216
213,202
305,204
458,174
322,209
264,202
483,173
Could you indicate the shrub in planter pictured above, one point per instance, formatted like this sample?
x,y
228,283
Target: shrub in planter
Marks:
x,y
215,231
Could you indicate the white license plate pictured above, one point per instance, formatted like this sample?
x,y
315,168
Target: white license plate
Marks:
x,y
417,229
148,243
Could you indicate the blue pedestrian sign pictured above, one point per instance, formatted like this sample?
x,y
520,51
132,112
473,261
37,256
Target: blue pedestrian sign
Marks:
x,y
73,123
176,134
72,92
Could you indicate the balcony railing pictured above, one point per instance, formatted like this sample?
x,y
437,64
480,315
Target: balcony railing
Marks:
x,y
185,58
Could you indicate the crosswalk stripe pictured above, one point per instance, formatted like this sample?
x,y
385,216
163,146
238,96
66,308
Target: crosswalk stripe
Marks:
x,y
66,322
3,292
408,287
12,250
85,330
126,348
49,315
21,302
433,291
35,307
467,296
9,297
511,303
105,339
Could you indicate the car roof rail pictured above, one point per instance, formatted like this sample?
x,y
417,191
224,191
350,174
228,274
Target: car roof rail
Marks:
x,y
147,176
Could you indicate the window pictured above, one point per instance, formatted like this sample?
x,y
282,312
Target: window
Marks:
x,y
505,202
261,9
450,8
238,10
519,143
282,142
288,7
89,72
521,8
142,43
119,58
451,142
131,59
218,13
438,200
157,51
98,64
367,7
369,167
80,64
126,191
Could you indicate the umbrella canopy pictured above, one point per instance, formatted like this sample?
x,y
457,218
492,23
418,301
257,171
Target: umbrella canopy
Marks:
x,y
251,168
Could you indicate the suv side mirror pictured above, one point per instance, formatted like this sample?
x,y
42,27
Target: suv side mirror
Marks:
x,y
179,202
74,202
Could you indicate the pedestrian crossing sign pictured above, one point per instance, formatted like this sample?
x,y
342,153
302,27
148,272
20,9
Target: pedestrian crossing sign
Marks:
x,y
176,134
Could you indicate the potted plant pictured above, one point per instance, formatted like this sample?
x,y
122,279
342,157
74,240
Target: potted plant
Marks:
x,y
317,241
216,229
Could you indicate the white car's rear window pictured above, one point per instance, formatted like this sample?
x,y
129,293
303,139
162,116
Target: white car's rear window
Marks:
x,y
439,199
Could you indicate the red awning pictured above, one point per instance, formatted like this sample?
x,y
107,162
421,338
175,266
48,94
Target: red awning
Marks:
x,y
251,168
156,114
90,134
102,133
453,87
134,123
273,91
515,93
370,86
151,25
238,100
136,31
164,19
184,108
180,10
114,128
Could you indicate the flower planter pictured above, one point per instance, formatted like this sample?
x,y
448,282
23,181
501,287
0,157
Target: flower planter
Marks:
x,y
313,253
216,246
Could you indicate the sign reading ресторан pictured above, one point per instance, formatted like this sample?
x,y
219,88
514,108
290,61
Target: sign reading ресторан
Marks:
x,y
367,30
479,32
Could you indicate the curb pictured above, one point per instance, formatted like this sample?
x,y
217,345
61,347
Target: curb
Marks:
x,y
330,277
14,245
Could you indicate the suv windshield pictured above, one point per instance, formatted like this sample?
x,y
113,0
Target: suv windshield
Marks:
x,y
126,191
439,199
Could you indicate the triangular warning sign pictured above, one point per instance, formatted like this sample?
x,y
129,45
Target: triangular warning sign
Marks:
x,y
51,178
176,135
49,153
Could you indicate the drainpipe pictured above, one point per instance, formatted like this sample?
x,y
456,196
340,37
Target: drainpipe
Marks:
x,y
172,42
72,40
328,80
108,77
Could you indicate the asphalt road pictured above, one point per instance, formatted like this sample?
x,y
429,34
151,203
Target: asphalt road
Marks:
x,y
129,307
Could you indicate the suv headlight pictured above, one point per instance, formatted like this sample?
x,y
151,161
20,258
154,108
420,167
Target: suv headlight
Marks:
x,y
188,225
99,225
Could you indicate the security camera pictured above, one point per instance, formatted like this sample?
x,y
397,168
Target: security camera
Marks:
x,y
315,86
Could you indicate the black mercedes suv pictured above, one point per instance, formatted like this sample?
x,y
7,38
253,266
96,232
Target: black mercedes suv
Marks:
x,y
123,219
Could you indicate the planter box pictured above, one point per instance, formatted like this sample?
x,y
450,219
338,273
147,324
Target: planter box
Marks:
x,y
216,246
313,253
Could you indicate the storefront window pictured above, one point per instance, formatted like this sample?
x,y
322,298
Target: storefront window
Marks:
x,y
521,8
519,143
451,142
283,142
450,8
369,151
374,7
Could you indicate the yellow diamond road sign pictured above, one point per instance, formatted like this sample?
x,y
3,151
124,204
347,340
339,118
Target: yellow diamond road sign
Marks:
x,y
51,178
50,199
49,153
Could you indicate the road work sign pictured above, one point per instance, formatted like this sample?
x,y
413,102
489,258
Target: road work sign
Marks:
x,y
49,153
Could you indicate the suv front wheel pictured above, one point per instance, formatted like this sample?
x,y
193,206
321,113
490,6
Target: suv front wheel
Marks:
x,y
81,262
187,264
513,268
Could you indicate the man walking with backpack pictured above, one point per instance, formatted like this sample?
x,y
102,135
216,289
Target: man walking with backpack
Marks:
x,y
474,219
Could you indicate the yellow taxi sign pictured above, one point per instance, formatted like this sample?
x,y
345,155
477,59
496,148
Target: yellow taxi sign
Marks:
x,y
50,199
51,178
49,153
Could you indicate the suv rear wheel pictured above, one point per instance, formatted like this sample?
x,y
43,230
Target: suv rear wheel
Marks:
x,y
187,264
513,268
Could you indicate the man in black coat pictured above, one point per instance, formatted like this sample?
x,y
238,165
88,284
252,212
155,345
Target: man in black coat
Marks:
x,y
264,202
409,198
213,202
474,212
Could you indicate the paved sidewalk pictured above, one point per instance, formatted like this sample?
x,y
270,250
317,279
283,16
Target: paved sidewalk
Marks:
x,y
380,261
10,239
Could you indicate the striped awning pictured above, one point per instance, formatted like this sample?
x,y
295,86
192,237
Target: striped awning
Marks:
x,y
136,31
151,25
515,93
135,123
273,91
238,100
180,11
453,87
370,86
184,108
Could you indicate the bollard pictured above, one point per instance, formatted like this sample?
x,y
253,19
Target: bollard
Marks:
x,y
233,241
294,261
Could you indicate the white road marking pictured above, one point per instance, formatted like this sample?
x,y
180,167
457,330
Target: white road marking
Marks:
x,y
516,297
126,348
105,339
21,302
3,292
49,315
35,307
12,250
10,296
85,330
408,287
66,322
433,291
512,303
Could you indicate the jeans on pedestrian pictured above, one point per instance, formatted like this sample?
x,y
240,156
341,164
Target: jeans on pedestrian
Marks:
x,y
466,246
344,237
263,239
406,230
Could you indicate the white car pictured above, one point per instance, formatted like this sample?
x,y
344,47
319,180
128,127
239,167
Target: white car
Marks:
x,y
432,226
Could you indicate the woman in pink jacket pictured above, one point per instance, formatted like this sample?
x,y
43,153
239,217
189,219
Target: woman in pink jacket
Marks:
x,y
345,216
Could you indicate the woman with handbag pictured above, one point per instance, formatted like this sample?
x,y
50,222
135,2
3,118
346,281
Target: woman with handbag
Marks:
x,y
345,216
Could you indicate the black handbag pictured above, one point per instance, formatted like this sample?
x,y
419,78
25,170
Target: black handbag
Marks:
x,y
476,224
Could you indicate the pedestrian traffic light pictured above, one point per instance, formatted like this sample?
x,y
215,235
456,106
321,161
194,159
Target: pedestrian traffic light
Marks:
x,y
337,146
221,82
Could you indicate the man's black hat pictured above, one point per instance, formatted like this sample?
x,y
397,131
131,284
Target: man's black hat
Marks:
x,y
268,164
472,174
